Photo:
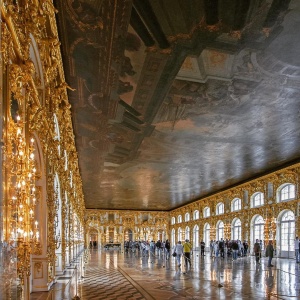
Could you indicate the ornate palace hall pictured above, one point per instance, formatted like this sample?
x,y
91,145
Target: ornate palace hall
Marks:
x,y
114,275
150,123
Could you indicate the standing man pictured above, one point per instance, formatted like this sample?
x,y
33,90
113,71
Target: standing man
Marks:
x,y
235,249
187,249
270,253
221,247
257,251
297,254
202,245
167,249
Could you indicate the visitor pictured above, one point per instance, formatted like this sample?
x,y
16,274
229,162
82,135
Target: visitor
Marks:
x,y
202,246
187,249
235,249
257,251
178,249
221,247
167,249
270,253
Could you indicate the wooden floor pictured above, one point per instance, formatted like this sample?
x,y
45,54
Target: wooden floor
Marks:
x,y
112,274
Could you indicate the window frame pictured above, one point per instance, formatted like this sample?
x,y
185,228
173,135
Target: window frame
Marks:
x,y
287,185
219,205
261,199
206,212
233,205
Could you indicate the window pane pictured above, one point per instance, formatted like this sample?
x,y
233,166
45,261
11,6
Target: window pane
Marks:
x,y
196,237
288,192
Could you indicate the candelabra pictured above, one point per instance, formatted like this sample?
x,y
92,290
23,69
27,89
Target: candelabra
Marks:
x,y
270,229
273,230
22,175
212,232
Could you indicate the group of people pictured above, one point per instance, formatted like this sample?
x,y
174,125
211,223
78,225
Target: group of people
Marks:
x,y
93,244
225,248
149,248
257,249
184,250
222,248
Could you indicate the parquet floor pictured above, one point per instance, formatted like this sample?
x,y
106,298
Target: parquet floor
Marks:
x,y
113,275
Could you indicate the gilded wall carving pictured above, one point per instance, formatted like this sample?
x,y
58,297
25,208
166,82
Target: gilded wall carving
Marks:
x,y
36,86
270,210
144,225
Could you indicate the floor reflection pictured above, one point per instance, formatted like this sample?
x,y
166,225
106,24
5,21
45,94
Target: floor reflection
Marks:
x,y
111,274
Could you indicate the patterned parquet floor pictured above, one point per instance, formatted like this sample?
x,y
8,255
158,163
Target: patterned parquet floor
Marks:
x,y
107,283
114,275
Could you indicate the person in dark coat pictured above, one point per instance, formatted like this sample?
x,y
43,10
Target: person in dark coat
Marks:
x,y
270,253
257,251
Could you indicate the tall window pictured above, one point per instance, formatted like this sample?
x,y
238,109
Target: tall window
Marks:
x,y
173,242
179,219
220,230
287,192
287,231
257,199
187,233
236,204
187,217
258,228
236,229
220,209
57,133
179,234
66,160
196,237
206,212
206,234
196,214
173,221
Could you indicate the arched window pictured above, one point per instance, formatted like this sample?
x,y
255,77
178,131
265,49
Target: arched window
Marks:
x,y
236,229
257,199
220,208
287,192
258,229
287,232
187,217
173,242
196,214
206,212
220,230
236,204
187,233
179,234
206,234
179,219
172,220
196,237
71,179
66,160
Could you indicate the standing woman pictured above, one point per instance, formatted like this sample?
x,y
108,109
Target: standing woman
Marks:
x,y
179,251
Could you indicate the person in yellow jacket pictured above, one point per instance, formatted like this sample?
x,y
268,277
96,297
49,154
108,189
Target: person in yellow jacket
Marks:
x,y
187,250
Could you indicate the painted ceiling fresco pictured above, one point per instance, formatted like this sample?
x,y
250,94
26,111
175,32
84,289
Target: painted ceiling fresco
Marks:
x,y
176,100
